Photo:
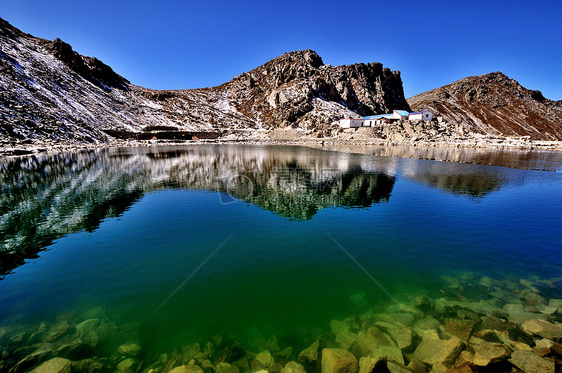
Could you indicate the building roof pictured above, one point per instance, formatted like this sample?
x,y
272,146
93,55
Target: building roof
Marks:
x,y
378,116
419,112
403,113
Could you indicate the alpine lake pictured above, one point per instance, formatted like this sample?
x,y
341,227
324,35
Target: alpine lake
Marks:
x,y
232,258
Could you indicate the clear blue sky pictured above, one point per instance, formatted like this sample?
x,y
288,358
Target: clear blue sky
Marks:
x,y
206,43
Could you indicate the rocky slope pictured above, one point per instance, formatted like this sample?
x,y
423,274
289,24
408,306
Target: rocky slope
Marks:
x,y
496,105
50,93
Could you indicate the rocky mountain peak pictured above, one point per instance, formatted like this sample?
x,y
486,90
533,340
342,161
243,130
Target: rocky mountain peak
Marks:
x,y
290,89
90,68
7,29
308,58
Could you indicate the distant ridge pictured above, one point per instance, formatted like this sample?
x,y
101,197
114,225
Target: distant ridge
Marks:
x,y
494,104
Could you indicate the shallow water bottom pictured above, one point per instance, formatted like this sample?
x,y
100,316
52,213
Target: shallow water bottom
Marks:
x,y
488,319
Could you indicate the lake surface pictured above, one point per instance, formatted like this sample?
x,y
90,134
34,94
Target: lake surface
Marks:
x,y
257,241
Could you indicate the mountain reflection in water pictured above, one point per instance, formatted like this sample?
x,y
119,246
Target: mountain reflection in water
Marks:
x,y
45,197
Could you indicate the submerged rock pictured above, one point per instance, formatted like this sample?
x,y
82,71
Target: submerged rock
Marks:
x,y
459,329
55,365
86,327
310,357
485,308
21,362
402,336
371,342
367,364
58,330
556,303
517,314
126,365
346,339
487,282
191,351
433,351
226,368
208,367
229,351
529,362
417,366
130,349
187,369
494,323
542,328
265,359
390,353
337,326
465,357
403,319
283,355
394,367
338,360
423,303
427,327
293,367
92,365
510,345
171,360
366,343
487,353
547,310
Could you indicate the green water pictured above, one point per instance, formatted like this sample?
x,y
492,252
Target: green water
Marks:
x,y
260,241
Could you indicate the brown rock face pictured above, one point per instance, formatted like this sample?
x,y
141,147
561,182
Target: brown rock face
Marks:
x,y
286,90
496,105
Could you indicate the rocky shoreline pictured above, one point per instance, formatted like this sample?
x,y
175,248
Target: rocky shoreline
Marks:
x,y
473,324
348,137
437,133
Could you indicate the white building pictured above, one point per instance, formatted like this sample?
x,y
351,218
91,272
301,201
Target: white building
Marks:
x,y
351,123
374,120
421,115
400,114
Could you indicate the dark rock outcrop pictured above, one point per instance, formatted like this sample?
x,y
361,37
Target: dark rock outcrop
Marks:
x,y
90,68
494,104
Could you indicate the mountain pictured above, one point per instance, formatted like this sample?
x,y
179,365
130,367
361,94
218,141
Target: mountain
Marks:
x,y
494,104
50,93
298,88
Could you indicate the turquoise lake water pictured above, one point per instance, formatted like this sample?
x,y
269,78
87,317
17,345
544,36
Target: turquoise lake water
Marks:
x,y
257,241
